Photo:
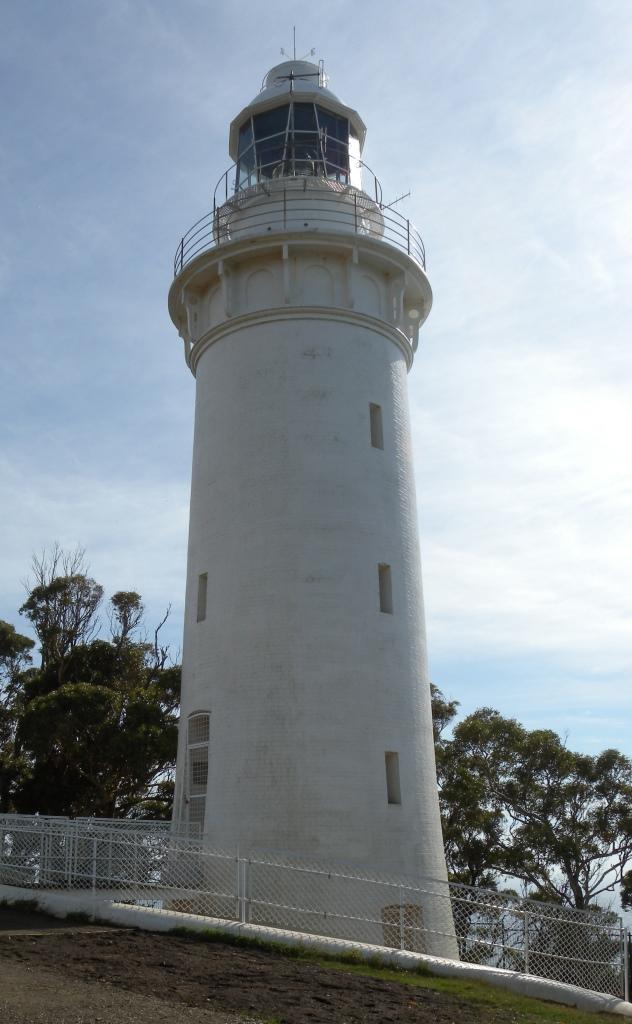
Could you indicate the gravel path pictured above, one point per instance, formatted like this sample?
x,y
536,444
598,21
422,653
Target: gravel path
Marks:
x,y
30,994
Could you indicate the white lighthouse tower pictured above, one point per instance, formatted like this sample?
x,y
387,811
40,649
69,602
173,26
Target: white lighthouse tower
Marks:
x,y
306,722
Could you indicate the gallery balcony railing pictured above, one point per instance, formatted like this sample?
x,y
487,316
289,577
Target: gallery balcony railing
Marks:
x,y
322,188
288,210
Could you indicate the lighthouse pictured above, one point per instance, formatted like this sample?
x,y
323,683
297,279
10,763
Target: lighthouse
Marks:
x,y
306,721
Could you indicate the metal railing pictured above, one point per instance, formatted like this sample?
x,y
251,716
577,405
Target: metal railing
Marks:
x,y
284,208
152,864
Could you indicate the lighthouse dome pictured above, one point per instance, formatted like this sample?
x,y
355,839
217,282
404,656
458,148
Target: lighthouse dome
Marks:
x,y
302,82
295,76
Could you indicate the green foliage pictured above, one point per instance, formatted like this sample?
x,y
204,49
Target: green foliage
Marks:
x,y
14,657
626,891
14,651
93,730
126,615
62,613
443,712
471,828
95,747
214,936
518,803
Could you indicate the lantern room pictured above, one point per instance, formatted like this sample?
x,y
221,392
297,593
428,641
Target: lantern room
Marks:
x,y
297,127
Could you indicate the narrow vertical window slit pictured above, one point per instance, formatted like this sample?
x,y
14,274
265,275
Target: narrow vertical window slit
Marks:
x,y
386,588
377,433
393,789
201,596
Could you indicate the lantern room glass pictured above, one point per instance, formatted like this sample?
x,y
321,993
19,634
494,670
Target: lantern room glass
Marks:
x,y
297,139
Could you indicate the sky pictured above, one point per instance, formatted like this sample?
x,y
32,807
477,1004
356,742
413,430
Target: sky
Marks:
x,y
510,125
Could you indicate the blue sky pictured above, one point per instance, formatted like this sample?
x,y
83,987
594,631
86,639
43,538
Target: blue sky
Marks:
x,y
510,122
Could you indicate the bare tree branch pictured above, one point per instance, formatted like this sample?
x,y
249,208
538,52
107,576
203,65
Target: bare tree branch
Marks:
x,y
161,654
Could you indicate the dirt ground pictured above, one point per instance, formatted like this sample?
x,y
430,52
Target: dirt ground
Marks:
x,y
57,973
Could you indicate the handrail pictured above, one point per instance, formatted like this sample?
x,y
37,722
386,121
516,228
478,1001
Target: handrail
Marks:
x,y
338,212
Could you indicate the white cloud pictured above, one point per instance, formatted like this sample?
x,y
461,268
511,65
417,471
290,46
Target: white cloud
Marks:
x,y
134,533
526,491
520,395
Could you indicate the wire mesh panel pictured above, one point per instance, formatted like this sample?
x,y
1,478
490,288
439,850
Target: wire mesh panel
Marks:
x,y
502,930
157,867
20,857
342,902
196,880
495,929
306,896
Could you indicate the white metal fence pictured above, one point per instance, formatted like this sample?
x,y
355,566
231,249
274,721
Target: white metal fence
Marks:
x,y
154,864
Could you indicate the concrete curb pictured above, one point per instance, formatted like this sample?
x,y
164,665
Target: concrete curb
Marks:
x,y
150,919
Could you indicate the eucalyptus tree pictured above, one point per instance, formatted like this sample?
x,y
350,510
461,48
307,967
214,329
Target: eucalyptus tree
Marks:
x,y
518,803
93,729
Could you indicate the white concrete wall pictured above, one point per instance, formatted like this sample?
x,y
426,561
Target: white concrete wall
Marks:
x,y
307,682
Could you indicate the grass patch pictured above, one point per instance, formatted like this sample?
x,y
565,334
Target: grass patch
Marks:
x,y
211,935
521,1009
351,957
525,1009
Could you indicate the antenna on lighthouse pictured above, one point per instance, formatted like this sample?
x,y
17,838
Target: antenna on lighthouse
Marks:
x,y
404,195
284,53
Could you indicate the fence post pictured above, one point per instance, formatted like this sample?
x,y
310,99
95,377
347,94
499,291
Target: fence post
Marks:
x,y
245,912
401,918
47,869
626,965
526,941
68,857
239,908
94,864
